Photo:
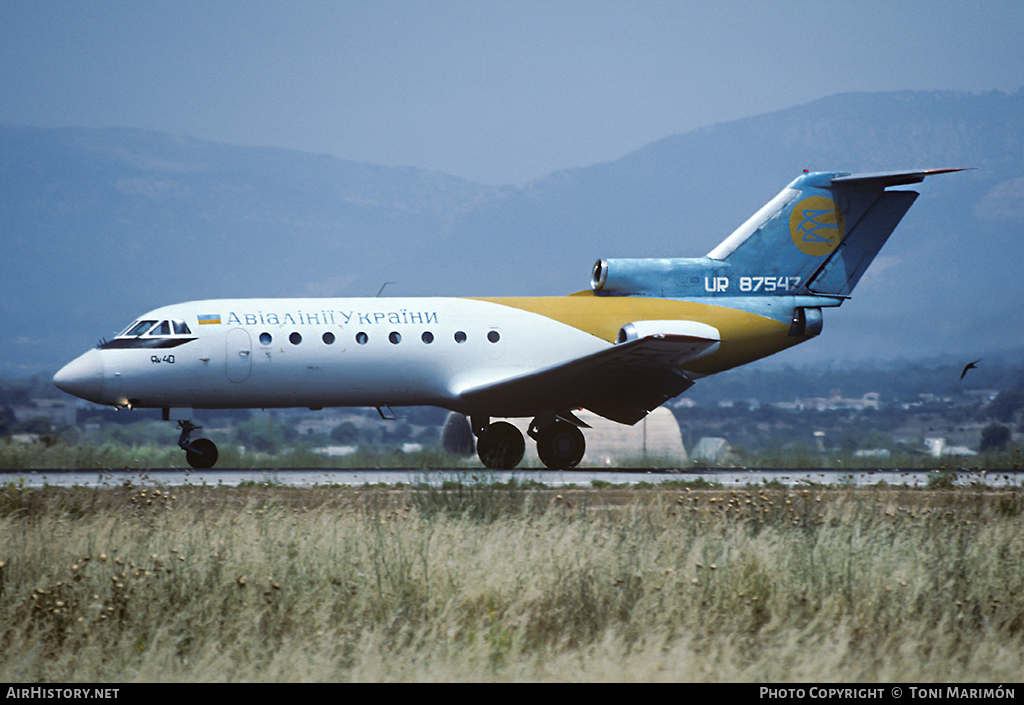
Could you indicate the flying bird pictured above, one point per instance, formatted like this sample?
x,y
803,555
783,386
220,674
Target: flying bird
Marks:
x,y
970,366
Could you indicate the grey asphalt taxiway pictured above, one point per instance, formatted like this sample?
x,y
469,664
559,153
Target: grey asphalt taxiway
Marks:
x,y
579,477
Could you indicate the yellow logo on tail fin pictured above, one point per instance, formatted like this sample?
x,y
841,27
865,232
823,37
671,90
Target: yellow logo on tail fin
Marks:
x,y
817,226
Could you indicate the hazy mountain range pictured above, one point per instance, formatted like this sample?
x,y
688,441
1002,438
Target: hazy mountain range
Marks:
x,y
98,226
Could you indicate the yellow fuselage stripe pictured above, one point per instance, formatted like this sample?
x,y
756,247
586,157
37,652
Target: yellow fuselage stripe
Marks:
x,y
745,337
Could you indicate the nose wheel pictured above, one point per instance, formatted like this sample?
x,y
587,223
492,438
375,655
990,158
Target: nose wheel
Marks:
x,y
200,453
203,454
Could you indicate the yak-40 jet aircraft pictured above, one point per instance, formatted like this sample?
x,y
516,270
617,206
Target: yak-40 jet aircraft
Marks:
x,y
641,335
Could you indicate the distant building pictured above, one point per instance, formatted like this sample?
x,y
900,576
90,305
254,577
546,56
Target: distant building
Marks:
x,y
336,451
710,449
937,448
833,402
872,453
457,436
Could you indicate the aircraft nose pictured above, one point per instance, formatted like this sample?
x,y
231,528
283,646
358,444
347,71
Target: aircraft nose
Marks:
x,y
83,377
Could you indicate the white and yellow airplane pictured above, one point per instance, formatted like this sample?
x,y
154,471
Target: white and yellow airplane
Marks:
x,y
641,335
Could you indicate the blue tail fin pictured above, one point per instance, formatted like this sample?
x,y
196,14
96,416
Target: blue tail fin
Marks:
x,y
816,238
823,230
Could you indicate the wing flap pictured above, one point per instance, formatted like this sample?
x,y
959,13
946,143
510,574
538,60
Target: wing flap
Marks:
x,y
622,383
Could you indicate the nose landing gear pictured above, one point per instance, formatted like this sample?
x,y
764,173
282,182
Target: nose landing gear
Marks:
x,y
200,453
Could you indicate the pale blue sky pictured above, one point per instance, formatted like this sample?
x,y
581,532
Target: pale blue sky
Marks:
x,y
498,92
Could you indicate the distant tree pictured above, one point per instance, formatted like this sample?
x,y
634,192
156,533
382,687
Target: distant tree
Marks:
x,y
393,432
265,434
1006,404
876,438
849,442
345,432
14,392
995,436
37,425
424,415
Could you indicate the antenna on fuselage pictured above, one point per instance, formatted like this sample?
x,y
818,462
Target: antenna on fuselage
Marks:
x,y
382,288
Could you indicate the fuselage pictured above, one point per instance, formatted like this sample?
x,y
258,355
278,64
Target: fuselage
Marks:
x,y
274,353
639,337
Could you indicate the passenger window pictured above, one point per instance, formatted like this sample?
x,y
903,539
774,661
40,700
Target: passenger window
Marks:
x,y
460,337
295,338
266,338
361,338
427,337
395,338
493,336
328,338
181,328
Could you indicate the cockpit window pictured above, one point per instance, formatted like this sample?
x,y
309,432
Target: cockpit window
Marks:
x,y
139,328
154,328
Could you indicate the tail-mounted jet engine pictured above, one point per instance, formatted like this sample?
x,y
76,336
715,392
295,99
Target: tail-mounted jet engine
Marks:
x,y
807,322
627,276
656,277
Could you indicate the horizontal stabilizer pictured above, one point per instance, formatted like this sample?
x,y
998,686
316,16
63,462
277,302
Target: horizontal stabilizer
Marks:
x,y
884,179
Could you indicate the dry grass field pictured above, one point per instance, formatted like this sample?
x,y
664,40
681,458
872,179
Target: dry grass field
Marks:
x,y
495,584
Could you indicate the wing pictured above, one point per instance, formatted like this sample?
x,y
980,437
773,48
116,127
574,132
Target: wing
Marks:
x,y
623,383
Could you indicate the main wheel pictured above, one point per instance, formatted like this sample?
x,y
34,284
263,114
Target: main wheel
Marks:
x,y
204,455
501,446
561,445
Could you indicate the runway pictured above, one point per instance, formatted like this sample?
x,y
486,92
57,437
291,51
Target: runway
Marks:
x,y
581,478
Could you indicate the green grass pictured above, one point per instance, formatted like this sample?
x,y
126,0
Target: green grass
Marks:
x,y
270,583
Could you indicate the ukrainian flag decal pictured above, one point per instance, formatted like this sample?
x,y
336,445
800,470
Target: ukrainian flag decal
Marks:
x,y
207,320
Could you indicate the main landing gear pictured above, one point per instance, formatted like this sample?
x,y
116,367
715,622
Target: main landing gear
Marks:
x,y
560,444
501,446
200,453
